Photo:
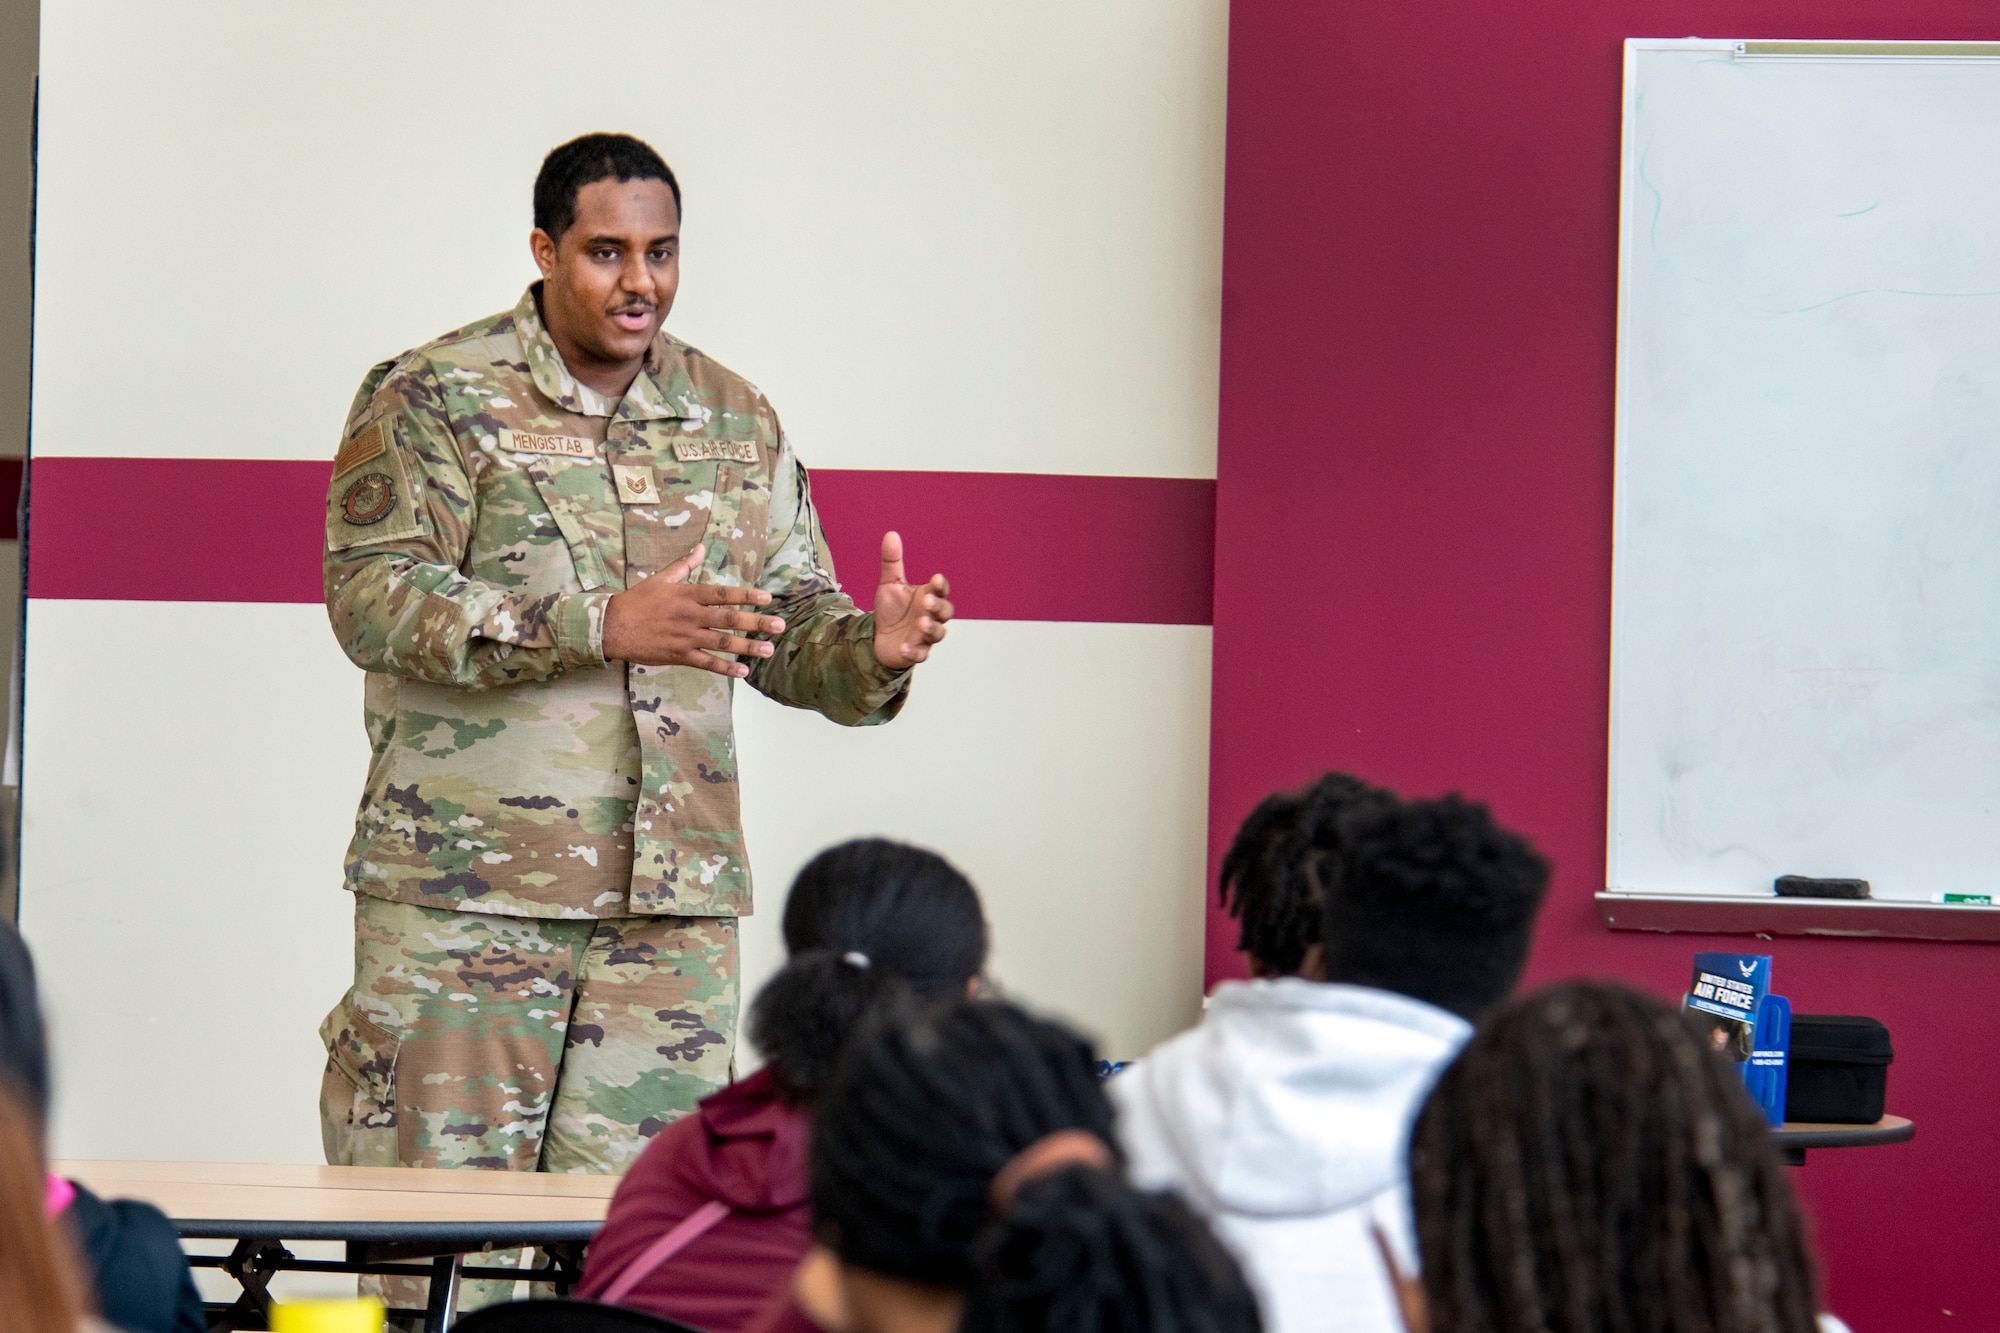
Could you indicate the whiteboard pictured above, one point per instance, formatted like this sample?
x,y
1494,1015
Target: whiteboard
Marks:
x,y
1806,582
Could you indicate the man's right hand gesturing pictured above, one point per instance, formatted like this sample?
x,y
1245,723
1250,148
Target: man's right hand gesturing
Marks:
x,y
664,620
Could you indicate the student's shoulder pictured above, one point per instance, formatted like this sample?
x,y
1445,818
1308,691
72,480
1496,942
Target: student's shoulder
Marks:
x,y
135,1255
669,1151
125,1228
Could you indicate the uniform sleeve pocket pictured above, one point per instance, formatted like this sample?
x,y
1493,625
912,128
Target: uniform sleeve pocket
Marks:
x,y
361,1049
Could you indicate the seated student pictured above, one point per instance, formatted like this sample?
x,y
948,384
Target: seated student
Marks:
x,y
963,1179
1584,1164
136,1272
862,917
1282,1115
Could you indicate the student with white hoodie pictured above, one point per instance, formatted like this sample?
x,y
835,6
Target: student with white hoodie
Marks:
x,y
1378,932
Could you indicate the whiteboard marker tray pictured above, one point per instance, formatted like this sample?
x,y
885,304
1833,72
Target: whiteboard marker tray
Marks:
x,y
1735,914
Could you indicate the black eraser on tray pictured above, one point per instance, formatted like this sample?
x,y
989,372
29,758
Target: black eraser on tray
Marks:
x,y
1805,886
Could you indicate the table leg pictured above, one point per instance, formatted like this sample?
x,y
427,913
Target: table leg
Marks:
x,y
565,1268
252,1264
443,1307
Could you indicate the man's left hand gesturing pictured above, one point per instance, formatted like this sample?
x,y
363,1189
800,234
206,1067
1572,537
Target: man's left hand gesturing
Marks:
x,y
908,620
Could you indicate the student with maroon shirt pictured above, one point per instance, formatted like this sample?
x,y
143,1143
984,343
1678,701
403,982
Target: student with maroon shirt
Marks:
x,y
709,1223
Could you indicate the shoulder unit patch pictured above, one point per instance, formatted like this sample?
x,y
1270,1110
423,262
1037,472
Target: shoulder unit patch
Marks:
x,y
369,500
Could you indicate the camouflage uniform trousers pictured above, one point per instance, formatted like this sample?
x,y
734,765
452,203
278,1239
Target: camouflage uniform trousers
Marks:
x,y
521,1043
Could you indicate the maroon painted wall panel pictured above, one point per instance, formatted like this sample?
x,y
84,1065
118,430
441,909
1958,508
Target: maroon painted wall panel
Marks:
x,y
1413,573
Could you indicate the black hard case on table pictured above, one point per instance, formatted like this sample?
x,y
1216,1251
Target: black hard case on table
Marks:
x,y
1837,1072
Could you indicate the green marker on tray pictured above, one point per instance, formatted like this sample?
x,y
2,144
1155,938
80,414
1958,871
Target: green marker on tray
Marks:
x,y
1969,899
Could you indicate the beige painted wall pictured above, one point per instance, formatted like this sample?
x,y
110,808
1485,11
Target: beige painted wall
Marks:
x,y
940,236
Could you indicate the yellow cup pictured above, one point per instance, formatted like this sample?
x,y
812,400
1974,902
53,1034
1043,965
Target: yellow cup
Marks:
x,y
357,1316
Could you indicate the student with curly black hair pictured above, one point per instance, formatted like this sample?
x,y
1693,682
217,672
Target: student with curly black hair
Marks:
x,y
963,1179
1282,1116
710,1221
1585,1164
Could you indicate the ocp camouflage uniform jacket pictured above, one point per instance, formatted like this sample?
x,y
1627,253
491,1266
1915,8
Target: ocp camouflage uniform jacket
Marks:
x,y
484,507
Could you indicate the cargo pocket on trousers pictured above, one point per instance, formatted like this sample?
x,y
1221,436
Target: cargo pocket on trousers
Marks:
x,y
358,1089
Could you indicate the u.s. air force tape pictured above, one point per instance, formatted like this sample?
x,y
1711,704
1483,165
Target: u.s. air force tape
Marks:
x,y
696,450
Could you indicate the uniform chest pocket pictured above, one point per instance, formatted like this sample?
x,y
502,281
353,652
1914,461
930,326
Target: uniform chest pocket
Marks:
x,y
577,495
725,560
700,503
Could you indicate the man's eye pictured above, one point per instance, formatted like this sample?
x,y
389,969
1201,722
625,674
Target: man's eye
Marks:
x,y
604,255
662,256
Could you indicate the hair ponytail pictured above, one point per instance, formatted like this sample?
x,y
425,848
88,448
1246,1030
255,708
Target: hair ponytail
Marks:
x,y
864,919
1080,1251
802,1017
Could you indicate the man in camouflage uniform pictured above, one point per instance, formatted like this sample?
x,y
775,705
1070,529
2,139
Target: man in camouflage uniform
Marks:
x,y
545,536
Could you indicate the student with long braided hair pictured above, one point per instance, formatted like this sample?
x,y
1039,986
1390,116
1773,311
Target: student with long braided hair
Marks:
x,y
1586,1165
710,1221
1275,873
1282,1116
963,1179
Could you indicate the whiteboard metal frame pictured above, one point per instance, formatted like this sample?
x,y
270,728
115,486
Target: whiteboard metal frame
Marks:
x,y
1907,53
1621,406
1733,913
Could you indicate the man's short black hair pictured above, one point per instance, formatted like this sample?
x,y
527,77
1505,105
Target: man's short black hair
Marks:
x,y
1434,901
594,157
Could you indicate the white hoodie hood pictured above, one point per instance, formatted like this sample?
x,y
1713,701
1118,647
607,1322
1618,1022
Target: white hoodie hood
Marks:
x,y
1292,1098
1283,1119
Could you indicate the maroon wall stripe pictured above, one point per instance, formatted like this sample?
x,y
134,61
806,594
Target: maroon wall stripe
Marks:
x,y
1017,546
1032,546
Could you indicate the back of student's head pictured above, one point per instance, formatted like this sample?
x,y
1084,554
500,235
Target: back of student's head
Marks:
x,y
24,1060
964,1144
1586,1164
1275,873
863,917
1434,901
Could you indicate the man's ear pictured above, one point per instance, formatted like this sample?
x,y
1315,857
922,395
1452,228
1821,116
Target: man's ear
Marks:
x,y
543,247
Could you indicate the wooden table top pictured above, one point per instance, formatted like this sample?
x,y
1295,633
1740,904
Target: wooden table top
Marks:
x,y
353,1202
1889,1129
